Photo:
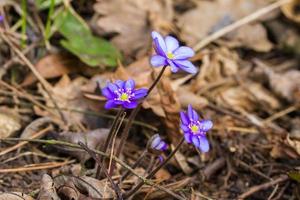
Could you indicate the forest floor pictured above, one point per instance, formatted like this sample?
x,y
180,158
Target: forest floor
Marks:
x,y
56,55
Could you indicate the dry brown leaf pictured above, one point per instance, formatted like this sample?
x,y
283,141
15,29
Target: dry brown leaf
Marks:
x,y
171,106
239,98
93,139
9,122
67,95
47,190
14,196
252,36
35,126
283,151
187,97
286,84
95,188
54,65
294,143
69,191
162,175
290,10
130,19
217,65
199,22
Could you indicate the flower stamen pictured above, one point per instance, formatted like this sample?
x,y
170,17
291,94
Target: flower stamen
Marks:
x,y
170,55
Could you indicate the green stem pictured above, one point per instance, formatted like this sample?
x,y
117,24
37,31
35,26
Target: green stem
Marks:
x,y
48,23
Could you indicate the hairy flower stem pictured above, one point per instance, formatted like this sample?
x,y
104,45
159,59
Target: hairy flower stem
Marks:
x,y
128,125
137,163
156,80
136,188
109,139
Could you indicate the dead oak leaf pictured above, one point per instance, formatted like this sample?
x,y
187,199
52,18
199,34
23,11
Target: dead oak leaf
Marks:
x,y
211,16
67,95
129,21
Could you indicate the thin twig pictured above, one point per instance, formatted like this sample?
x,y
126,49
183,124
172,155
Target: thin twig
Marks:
x,y
263,186
35,135
45,84
137,162
76,146
245,20
97,159
136,188
39,166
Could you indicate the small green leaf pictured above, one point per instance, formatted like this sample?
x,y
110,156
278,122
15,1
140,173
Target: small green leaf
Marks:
x,y
295,176
80,41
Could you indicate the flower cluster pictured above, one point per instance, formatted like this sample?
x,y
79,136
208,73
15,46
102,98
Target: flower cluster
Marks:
x,y
123,93
169,53
195,129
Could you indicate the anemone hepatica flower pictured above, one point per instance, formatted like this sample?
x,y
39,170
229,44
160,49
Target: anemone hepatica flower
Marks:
x,y
195,129
156,144
169,53
123,93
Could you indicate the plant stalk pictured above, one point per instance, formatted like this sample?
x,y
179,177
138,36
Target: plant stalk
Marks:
x,y
136,188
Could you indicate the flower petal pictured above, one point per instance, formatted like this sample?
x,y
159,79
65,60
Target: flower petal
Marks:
x,y
196,141
183,53
159,43
204,145
158,61
171,43
191,113
164,147
184,119
112,87
188,138
155,142
129,84
186,65
205,125
110,104
120,84
130,105
160,145
184,128
140,93
107,93
174,68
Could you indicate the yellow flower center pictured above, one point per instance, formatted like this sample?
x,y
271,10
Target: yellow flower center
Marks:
x,y
194,129
124,97
170,55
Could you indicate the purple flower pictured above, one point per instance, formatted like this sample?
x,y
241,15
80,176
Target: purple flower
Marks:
x,y
156,144
168,53
195,129
1,18
123,93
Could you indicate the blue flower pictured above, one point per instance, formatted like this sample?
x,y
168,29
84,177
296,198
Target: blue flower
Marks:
x,y
1,18
194,129
123,93
169,53
157,144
